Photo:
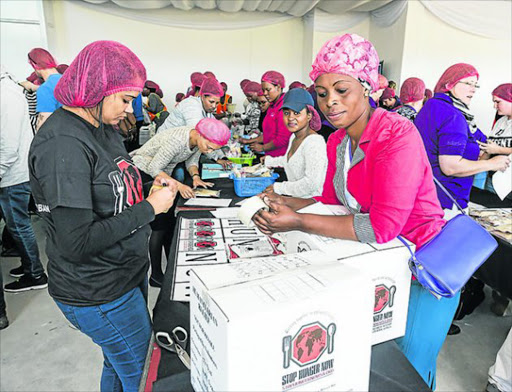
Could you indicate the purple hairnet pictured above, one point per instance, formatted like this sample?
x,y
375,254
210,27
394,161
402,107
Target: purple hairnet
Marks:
x,y
213,130
274,78
40,58
315,123
453,75
100,69
211,86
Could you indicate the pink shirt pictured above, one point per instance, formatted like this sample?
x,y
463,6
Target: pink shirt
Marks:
x,y
275,130
393,183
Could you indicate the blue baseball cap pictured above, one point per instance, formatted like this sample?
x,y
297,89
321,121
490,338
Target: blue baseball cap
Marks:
x,y
297,99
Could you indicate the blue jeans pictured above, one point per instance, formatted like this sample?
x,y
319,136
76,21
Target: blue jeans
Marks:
x,y
14,204
122,328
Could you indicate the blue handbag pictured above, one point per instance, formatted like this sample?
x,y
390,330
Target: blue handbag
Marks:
x,y
445,263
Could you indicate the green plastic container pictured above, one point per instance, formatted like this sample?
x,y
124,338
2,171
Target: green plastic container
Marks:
x,y
245,159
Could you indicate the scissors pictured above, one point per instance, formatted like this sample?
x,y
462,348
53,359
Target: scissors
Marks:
x,y
175,343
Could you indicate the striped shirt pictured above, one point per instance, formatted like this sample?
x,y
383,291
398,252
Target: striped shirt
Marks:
x,y
32,112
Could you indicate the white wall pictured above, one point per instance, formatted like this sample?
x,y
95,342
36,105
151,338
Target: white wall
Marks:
x,y
171,54
389,42
21,29
431,46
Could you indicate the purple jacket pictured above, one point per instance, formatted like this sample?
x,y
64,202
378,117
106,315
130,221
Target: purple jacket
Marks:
x,y
445,131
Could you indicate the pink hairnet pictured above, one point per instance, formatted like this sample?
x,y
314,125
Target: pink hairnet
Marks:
x,y
260,93
210,74
190,91
504,91
40,58
274,78
102,68
251,87
413,89
243,83
383,82
33,78
213,130
211,86
61,68
388,93
224,85
311,89
296,84
159,92
315,123
350,55
196,78
428,93
453,75
179,97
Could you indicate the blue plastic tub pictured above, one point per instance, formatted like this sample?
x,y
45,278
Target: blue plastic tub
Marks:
x,y
250,186
479,180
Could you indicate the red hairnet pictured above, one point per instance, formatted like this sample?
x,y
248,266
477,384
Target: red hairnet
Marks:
x,y
296,84
196,78
209,74
413,89
179,97
150,85
40,58
274,78
388,93
61,68
100,69
251,87
383,82
428,93
315,123
211,86
453,75
33,78
213,130
504,91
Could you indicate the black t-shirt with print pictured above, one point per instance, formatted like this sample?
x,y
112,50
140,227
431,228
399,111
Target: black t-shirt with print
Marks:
x,y
89,194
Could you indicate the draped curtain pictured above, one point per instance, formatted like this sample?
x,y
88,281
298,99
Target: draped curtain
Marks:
x,y
488,18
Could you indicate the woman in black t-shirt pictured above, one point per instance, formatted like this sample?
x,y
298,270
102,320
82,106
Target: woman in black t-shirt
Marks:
x,y
89,194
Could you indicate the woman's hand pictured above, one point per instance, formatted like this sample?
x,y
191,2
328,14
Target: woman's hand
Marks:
x,y
186,192
262,159
257,147
269,189
226,163
280,218
164,178
162,199
500,163
198,182
490,148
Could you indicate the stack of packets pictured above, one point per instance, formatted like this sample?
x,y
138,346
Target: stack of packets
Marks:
x,y
252,171
202,192
497,221
204,242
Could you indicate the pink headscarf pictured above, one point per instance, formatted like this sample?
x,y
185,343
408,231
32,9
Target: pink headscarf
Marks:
x,y
197,78
503,91
100,69
383,82
211,86
40,58
213,130
412,90
350,55
388,93
274,78
251,87
453,75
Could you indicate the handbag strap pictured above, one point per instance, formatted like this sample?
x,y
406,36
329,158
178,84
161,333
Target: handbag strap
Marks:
x,y
407,245
438,183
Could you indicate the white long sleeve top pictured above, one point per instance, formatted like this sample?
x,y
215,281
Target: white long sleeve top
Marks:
x,y
305,170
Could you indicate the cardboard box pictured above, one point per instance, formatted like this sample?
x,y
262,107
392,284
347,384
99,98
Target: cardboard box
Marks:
x,y
386,263
280,324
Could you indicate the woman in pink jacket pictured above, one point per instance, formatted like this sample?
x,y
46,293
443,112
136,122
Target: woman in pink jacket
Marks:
x,y
378,169
275,137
